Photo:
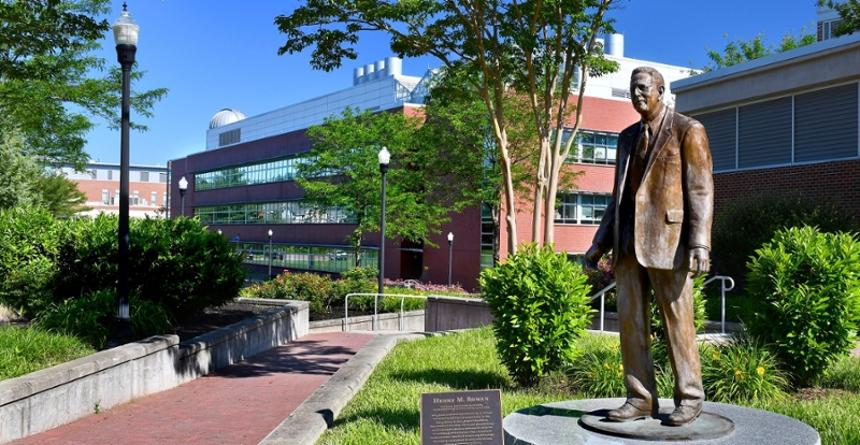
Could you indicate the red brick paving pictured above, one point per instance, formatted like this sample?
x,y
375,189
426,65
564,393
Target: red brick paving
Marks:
x,y
240,404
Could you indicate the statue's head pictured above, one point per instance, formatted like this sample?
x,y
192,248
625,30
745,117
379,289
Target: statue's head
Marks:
x,y
646,90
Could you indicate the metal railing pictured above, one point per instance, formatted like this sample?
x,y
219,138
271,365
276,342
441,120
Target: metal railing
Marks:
x,y
403,297
723,289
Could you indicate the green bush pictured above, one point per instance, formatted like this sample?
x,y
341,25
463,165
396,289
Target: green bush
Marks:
x,y
741,372
806,288
92,316
540,303
29,244
699,315
744,225
176,263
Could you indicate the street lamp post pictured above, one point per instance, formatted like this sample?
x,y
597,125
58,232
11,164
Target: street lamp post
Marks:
x,y
450,255
270,252
183,186
125,33
384,157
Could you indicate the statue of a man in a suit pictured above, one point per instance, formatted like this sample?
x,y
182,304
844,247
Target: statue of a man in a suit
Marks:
x,y
658,225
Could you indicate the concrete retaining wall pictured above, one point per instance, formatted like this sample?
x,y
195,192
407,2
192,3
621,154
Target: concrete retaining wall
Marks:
x,y
52,397
445,314
411,321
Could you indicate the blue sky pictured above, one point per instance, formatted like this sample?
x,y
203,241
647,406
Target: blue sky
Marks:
x,y
223,53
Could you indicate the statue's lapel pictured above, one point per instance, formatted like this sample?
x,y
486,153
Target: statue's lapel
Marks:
x,y
662,136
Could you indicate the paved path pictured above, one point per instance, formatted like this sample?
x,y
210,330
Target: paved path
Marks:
x,y
240,404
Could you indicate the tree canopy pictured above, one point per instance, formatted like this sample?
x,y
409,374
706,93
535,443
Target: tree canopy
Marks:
x,y
741,51
51,83
425,180
849,13
536,46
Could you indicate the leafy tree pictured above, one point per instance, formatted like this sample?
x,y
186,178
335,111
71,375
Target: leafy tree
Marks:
x,y
342,171
59,195
849,11
46,63
17,172
493,40
741,51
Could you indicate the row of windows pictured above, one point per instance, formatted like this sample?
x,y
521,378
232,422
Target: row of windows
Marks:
x,y
289,212
134,198
304,257
261,173
134,176
574,208
488,231
810,127
592,147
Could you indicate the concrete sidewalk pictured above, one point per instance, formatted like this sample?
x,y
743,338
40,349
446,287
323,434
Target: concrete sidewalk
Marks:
x,y
240,404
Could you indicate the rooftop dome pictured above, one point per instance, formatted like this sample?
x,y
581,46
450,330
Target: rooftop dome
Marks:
x,y
224,117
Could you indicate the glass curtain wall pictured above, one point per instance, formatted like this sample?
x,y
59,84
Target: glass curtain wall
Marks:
x,y
333,259
289,212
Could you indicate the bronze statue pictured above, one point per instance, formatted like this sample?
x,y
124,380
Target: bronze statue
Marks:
x,y
658,225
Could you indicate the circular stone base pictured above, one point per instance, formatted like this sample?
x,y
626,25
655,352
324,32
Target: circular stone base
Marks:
x,y
562,423
706,426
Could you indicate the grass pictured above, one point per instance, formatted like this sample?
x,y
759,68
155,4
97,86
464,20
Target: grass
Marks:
x,y
386,410
739,305
24,350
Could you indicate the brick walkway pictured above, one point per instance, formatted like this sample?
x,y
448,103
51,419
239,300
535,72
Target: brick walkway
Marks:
x,y
240,404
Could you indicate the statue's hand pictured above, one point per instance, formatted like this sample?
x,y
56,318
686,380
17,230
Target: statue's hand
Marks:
x,y
593,256
700,260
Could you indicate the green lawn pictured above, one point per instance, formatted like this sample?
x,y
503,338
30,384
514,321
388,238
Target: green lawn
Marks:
x,y
24,350
385,411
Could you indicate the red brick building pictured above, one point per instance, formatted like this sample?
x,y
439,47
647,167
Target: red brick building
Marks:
x,y
100,183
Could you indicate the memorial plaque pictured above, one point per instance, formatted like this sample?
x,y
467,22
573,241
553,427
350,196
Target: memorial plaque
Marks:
x,y
462,418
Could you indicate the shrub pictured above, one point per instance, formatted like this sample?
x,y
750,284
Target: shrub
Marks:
x,y
806,287
92,316
744,225
741,372
540,303
176,263
29,244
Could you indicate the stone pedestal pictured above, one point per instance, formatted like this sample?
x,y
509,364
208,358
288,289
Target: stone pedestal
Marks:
x,y
579,422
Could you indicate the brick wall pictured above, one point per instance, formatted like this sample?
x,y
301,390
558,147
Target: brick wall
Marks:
x,y
829,181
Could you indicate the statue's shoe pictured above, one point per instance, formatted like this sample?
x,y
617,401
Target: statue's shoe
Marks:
x,y
627,412
684,414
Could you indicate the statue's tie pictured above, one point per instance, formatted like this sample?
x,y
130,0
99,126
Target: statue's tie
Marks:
x,y
642,149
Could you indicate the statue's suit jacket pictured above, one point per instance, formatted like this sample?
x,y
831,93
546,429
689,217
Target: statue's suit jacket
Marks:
x,y
675,200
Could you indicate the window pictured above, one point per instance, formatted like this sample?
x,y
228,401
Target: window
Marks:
x,y
305,257
262,173
134,199
105,197
162,178
229,137
110,175
592,147
289,212
144,176
621,92
153,198
578,208
488,235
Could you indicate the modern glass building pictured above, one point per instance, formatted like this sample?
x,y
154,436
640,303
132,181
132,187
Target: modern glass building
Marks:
x,y
243,185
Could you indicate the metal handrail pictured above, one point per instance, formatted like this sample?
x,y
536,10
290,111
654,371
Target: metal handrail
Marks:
x,y
403,297
723,289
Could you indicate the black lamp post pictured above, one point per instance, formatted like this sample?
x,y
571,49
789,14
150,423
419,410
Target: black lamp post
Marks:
x,y
270,252
384,157
125,35
450,255
183,186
